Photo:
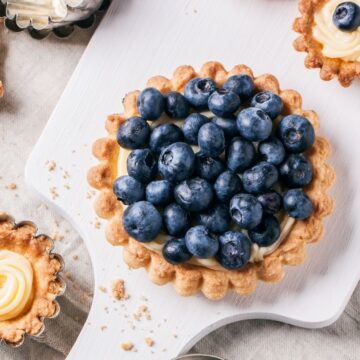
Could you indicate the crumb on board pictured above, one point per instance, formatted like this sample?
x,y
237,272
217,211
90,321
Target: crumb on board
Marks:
x,y
50,164
127,346
103,327
90,194
75,257
118,290
66,174
67,186
149,341
142,311
57,236
103,289
53,192
11,186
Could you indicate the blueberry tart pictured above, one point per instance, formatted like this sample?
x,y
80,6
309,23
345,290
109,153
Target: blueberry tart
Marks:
x,y
330,34
29,281
213,180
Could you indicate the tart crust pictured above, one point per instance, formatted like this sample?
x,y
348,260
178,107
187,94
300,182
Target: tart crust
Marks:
x,y
47,284
186,278
345,71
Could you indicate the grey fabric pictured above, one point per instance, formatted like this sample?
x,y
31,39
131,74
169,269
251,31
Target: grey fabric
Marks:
x,y
35,74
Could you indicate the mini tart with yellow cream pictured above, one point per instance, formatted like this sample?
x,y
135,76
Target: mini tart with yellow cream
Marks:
x,y
330,34
278,237
29,280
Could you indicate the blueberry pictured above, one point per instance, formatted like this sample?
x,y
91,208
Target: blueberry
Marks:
x,y
191,127
176,220
207,167
243,85
164,135
271,202
150,104
296,133
201,243
142,221
194,195
228,125
297,204
211,140
246,211
267,232
159,192
141,165
226,186
176,106
176,162
272,151
175,251
128,190
223,102
217,219
234,251
268,102
260,178
346,16
198,90
133,133
296,171
254,124
240,154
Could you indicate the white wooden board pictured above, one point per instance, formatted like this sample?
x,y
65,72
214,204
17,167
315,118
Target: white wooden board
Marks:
x,y
141,38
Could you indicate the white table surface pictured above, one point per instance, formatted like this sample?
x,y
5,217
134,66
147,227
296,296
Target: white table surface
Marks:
x,y
32,94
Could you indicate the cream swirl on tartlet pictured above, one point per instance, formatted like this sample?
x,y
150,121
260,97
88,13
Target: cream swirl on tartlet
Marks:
x,y
257,252
335,43
16,284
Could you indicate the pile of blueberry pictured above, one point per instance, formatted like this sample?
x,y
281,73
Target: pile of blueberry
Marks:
x,y
218,201
346,16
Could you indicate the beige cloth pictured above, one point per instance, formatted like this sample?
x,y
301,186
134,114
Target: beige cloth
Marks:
x,y
35,74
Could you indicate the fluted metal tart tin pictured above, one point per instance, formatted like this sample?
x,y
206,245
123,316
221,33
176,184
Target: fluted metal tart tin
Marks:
x,y
59,278
60,18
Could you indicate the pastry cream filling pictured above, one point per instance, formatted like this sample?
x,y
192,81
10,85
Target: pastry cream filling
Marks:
x,y
38,12
336,43
16,282
257,252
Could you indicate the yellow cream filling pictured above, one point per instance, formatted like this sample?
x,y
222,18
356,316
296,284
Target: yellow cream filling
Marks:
x,y
16,283
336,43
257,253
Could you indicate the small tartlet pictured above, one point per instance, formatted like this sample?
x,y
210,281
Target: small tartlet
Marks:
x,y
21,239
345,71
188,279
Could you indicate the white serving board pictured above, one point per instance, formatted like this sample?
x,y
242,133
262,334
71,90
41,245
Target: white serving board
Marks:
x,y
141,38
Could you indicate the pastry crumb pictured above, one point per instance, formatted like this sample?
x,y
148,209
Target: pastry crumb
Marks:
x,y
149,341
67,187
103,327
127,346
57,236
11,186
118,290
66,174
142,311
103,289
51,165
97,224
90,194
53,192
175,336
75,257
